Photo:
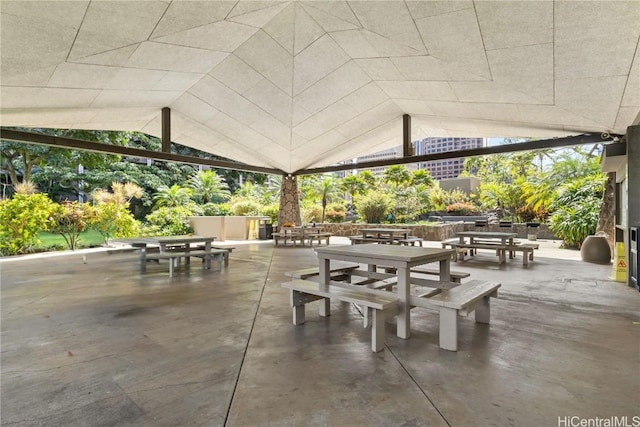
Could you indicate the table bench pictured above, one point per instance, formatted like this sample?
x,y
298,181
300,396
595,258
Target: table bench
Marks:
x,y
526,249
317,236
462,300
410,240
360,239
174,256
336,267
292,237
461,249
456,276
225,255
382,306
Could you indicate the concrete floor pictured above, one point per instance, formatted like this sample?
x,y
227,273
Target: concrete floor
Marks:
x,y
91,342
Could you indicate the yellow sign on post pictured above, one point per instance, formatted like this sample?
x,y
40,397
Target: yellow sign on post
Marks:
x,y
620,264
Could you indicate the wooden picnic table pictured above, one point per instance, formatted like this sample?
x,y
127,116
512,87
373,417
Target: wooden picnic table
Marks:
x,y
384,235
500,241
403,258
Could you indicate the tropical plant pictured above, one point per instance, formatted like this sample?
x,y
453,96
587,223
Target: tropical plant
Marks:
x,y
421,177
353,185
373,207
464,208
172,196
576,210
21,218
245,207
326,189
112,217
216,209
69,219
397,175
169,220
208,186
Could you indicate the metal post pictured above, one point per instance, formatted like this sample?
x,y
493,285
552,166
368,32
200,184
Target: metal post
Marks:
x,y
406,136
166,130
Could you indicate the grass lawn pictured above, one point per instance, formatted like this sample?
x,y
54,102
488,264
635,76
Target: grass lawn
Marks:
x,y
87,239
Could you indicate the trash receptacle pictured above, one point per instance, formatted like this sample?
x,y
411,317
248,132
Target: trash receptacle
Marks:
x,y
265,230
532,230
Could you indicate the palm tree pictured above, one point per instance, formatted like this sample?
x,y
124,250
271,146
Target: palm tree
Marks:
x,y
209,186
397,175
172,196
353,184
325,188
370,180
421,177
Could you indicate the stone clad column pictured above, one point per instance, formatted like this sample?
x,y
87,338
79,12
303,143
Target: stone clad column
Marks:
x,y
289,201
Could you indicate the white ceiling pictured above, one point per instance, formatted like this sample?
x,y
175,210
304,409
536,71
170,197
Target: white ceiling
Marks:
x,y
298,84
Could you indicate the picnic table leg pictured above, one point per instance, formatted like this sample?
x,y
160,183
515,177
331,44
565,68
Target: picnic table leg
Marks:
x,y
143,260
377,331
298,310
483,310
445,270
404,314
325,278
448,329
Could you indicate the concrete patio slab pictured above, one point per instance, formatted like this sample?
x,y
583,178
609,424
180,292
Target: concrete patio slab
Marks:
x,y
87,340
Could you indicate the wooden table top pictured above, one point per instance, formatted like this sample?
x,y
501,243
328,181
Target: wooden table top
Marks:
x,y
408,254
487,234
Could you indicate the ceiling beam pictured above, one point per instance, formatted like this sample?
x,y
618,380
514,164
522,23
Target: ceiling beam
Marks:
x,y
79,144
505,148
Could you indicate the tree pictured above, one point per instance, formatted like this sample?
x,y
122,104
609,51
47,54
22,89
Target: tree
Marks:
x,y
397,175
69,219
326,189
208,186
21,158
172,196
112,216
421,177
22,218
353,185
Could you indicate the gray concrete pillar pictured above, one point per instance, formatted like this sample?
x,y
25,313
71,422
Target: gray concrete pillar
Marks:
x,y
633,175
289,201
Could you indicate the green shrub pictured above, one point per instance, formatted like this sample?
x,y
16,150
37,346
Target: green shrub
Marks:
x,y
216,209
21,218
574,223
576,210
168,221
311,213
114,219
69,219
462,209
271,211
246,207
336,212
373,207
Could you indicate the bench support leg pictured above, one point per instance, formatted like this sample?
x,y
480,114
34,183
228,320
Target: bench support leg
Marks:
x,y
525,258
325,307
448,329
404,314
483,310
298,308
377,331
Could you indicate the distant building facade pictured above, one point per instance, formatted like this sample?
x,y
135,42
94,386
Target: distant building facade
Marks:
x,y
447,168
388,154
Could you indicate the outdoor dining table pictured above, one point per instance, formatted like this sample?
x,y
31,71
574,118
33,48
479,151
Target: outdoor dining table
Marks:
x,y
490,239
504,237
389,234
403,258
165,243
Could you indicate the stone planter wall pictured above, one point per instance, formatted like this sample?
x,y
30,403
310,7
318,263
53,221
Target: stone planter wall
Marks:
x,y
437,232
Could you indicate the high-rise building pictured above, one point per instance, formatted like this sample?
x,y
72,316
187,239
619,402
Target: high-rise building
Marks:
x,y
388,154
447,168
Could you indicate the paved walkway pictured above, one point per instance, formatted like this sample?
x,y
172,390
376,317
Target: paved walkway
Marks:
x,y
87,341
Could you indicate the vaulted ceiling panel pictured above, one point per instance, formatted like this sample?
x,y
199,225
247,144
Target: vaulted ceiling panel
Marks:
x,y
295,84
